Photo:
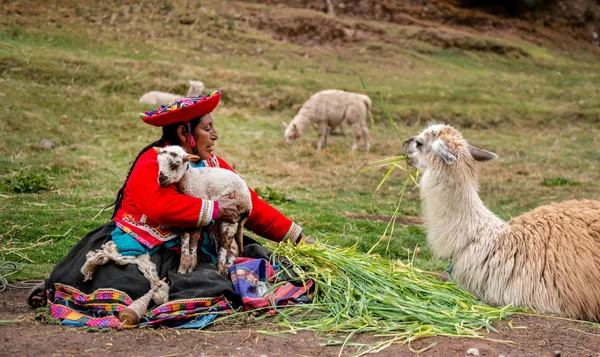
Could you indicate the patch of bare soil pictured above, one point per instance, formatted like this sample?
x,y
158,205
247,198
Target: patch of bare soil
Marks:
x,y
564,25
21,334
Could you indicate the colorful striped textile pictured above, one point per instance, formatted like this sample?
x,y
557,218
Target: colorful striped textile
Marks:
x,y
253,280
257,282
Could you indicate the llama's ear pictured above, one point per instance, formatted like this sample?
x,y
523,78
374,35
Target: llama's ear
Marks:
x,y
481,154
439,148
192,158
284,124
157,149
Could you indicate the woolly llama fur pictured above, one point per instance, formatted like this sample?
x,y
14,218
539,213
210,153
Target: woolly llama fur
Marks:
x,y
328,109
209,183
159,98
547,259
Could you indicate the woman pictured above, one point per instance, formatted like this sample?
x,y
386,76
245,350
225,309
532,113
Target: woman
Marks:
x,y
144,221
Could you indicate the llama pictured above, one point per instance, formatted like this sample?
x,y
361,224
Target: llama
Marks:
x,y
196,88
159,98
328,109
546,259
209,183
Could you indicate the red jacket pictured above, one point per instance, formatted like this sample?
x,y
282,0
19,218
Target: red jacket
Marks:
x,y
148,211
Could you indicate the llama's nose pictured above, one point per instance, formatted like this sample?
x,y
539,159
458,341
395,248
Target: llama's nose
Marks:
x,y
406,143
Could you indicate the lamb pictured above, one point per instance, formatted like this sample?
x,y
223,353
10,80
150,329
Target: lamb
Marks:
x,y
328,109
210,183
159,98
546,259
196,88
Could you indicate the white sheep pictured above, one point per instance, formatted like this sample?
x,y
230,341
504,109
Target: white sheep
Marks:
x,y
547,259
328,109
209,183
160,98
196,88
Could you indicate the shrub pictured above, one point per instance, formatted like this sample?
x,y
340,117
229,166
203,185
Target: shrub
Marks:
x,y
26,182
558,181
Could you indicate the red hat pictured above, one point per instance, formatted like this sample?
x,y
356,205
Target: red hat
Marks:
x,y
182,110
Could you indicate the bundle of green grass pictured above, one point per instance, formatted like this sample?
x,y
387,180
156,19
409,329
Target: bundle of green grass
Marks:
x,y
357,292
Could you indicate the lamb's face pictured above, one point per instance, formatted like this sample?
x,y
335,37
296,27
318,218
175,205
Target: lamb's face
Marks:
x,y
173,161
291,133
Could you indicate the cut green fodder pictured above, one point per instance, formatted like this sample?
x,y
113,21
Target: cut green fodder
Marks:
x,y
357,293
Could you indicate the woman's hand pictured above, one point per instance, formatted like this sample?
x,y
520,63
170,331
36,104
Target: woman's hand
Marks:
x,y
228,210
304,238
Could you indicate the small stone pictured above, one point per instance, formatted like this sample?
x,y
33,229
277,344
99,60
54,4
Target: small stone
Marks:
x,y
501,356
64,117
473,351
47,144
557,353
108,344
259,50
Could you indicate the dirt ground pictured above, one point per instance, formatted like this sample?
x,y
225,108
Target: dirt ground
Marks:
x,y
22,335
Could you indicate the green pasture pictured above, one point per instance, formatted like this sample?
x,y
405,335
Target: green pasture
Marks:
x,y
75,80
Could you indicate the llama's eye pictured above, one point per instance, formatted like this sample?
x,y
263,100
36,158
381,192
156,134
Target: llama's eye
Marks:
x,y
173,166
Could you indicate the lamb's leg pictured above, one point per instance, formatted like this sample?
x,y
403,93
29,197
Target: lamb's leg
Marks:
x,y
226,236
357,129
185,260
232,254
342,131
323,132
367,136
239,237
196,237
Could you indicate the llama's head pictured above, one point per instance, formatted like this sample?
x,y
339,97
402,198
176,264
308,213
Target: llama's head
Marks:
x,y
442,146
173,161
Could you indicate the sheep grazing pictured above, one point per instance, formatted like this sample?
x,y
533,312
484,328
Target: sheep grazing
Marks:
x,y
196,88
328,109
209,183
160,98
546,259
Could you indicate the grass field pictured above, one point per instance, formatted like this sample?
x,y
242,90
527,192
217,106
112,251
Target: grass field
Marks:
x,y
72,74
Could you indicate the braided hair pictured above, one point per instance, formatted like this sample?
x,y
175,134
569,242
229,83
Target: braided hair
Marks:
x,y
169,135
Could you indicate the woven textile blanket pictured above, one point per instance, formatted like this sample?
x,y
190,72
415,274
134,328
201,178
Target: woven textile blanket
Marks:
x,y
256,281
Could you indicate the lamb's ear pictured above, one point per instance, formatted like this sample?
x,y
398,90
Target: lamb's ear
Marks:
x,y
284,124
481,154
439,148
157,149
192,158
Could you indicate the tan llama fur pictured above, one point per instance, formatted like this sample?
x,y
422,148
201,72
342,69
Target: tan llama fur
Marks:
x,y
547,259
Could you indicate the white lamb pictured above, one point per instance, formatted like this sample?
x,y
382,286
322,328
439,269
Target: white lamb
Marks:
x,y
328,109
159,98
210,183
547,259
196,88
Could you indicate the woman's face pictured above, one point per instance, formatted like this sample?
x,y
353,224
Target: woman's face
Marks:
x,y
205,135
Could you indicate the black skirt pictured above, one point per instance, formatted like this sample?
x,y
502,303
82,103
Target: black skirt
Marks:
x,y
203,282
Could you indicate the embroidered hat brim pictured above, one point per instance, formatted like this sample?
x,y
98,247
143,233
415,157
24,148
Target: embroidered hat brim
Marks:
x,y
182,110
